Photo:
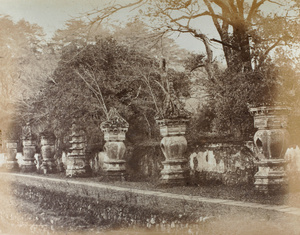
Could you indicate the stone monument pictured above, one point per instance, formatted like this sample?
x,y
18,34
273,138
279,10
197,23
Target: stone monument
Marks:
x,y
172,123
114,130
29,149
271,142
76,160
11,163
48,152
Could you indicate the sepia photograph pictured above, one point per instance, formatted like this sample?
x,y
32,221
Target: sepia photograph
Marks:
x,y
133,117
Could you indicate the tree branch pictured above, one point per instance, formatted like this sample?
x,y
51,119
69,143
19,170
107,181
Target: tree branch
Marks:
x,y
253,9
102,105
262,58
225,44
110,10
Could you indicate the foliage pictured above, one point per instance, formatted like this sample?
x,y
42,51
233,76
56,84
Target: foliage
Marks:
x,y
92,78
249,36
26,62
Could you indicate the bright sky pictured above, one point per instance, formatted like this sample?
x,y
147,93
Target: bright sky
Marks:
x,y
52,15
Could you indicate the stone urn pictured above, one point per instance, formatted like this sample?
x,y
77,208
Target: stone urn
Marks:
x,y
76,160
173,146
48,152
271,142
114,130
11,163
29,149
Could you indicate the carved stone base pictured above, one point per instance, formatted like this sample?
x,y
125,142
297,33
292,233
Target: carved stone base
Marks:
x,y
77,167
174,172
11,165
271,176
115,170
28,166
49,165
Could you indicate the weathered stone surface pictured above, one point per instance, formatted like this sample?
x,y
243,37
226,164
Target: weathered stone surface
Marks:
x,y
115,163
115,127
114,130
271,141
170,127
29,150
76,166
292,158
173,146
48,152
11,162
76,163
271,175
226,163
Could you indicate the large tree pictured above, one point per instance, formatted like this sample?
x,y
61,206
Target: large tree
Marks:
x,y
250,34
242,25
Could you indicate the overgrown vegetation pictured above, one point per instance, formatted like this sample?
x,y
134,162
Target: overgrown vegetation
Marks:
x,y
91,68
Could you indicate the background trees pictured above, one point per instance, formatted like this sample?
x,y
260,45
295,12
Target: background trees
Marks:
x,y
94,75
95,72
249,37
25,65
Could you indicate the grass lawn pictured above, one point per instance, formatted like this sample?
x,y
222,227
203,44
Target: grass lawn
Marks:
x,y
245,193
32,210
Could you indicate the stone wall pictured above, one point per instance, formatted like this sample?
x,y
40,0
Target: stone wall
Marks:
x,y
143,163
226,163
220,163
292,157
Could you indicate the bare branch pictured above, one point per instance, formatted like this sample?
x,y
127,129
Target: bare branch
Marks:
x,y
99,90
102,105
225,44
262,58
254,7
211,10
222,4
110,10
206,13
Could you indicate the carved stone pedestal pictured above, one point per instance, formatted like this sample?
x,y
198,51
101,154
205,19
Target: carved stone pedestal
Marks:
x,y
115,165
114,130
76,160
173,146
29,149
271,142
11,160
271,176
48,152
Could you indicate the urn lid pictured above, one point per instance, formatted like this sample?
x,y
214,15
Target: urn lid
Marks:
x,y
269,110
172,121
27,132
173,108
47,135
114,121
270,116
